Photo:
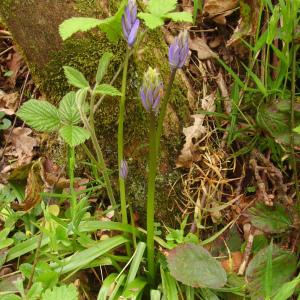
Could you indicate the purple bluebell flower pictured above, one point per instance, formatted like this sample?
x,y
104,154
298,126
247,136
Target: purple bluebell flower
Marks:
x,y
130,23
179,50
123,169
151,90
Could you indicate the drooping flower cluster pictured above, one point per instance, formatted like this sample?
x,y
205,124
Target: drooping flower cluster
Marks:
x,y
123,169
151,90
130,22
179,50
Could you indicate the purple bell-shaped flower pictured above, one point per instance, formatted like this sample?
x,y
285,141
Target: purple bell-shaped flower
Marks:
x,y
130,23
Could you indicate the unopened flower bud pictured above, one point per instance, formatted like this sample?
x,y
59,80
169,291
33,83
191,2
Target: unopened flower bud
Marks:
x,y
151,90
123,169
179,50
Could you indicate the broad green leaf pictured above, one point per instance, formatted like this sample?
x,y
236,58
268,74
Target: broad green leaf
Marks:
x,y
194,266
75,78
62,292
40,115
111,26
287,290
35,291
256,271
151,21
159,10
68,111
161,7
270,219
80,259
180,17
103,65
73,25
74,135
106,89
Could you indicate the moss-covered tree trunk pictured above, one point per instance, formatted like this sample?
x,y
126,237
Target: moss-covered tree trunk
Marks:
x,y
34,27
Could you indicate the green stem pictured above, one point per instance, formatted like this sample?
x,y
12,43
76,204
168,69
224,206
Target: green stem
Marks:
x,y
150,199
163,109
72,179
90,126
121,139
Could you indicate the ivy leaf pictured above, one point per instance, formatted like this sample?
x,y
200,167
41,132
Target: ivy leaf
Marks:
x,y
103,65
63,292
75,77
74,135
68,111
159,10
106,89
40,115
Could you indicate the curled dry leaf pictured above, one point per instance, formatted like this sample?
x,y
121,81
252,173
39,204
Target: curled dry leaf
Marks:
x,y
34,187
23,143
199,45
14,65
193,133
8,102
217,10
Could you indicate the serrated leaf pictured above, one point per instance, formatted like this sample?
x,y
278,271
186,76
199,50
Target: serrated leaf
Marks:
x,y
103,65
256,269
151,21
111,26
73,25
180,16
158,10
68,111
161,7
63,292
106,89
74,135
40,115
192,265
270,219
75,78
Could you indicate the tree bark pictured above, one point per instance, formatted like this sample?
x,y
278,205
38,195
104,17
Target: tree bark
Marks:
x,y
34,27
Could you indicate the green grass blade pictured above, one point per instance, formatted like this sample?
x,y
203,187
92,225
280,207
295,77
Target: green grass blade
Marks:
x,y
106,286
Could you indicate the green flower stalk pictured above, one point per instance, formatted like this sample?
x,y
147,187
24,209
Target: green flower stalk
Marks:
x,y
151,93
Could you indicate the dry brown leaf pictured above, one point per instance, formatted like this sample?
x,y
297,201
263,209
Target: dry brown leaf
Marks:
x,y
9,103
248,22
193,133
23,143
233,263
199,45
14,66
218,10
34,187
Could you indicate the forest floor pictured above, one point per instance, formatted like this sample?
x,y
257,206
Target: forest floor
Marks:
x,y
239,156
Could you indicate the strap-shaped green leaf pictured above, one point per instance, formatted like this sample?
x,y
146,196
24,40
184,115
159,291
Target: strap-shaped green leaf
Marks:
x,y
106,89
75,77
103,65
74,135
68,111
40,115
